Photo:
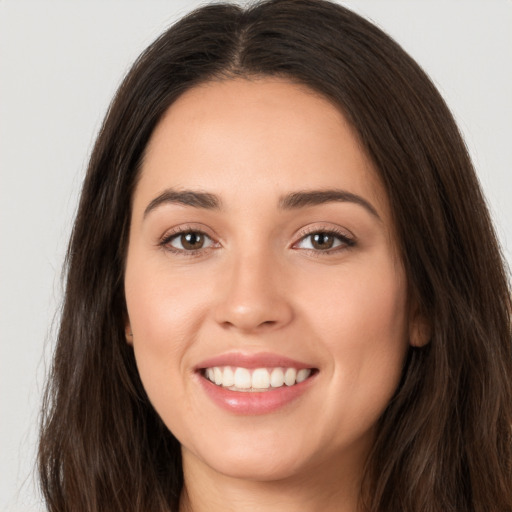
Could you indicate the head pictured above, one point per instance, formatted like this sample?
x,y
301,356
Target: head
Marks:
x,y
452,289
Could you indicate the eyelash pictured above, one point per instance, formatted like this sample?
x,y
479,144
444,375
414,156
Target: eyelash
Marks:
x,y
347,242
169,237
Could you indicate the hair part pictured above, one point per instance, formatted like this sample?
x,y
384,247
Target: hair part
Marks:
x,y
444,442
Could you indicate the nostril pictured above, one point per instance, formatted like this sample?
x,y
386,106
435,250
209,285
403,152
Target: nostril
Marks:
x,y
248,302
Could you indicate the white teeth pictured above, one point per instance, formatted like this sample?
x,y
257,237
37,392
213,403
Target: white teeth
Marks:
x,y
303,374
290,375
228,377
259,379
217,375
242,378
277,378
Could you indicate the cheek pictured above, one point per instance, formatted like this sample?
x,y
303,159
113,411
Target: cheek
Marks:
x,y
364,305
165,316
363,319
164,312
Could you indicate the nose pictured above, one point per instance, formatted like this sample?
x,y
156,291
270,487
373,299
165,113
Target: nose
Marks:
x,y
254,295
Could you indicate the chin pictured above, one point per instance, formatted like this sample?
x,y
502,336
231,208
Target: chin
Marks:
x,y
251,460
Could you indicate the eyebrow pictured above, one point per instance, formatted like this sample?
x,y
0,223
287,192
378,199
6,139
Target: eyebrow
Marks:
x,y
307,198
184,197
293,201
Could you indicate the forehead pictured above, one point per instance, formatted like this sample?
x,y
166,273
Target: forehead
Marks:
x,y
257,137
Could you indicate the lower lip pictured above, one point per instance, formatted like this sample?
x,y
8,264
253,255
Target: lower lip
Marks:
x,y
257,402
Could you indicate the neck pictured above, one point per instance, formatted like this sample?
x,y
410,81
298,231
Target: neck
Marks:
x,y
329,487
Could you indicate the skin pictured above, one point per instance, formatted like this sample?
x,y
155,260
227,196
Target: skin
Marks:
x,y
259,285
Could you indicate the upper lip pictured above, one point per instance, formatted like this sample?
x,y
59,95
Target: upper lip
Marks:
x,y
251,361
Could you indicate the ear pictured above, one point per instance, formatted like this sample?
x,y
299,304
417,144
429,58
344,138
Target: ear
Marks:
x,y
420,330
128,332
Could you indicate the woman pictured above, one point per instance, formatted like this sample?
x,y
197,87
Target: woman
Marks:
x,y
284,290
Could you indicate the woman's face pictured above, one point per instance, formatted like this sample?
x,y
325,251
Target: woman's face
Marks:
x,y
262,257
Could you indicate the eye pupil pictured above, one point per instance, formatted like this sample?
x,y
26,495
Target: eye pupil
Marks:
x,y
322,241
192,241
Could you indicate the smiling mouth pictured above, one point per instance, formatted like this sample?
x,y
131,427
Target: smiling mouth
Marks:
x,y
257,379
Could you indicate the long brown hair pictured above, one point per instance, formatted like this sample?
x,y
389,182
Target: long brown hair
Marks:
x,y
445,441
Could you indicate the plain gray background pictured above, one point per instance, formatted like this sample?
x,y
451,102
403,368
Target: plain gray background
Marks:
x,y
60,64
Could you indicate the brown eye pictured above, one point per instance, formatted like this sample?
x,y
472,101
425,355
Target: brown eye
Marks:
x,y
322,241
190,241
